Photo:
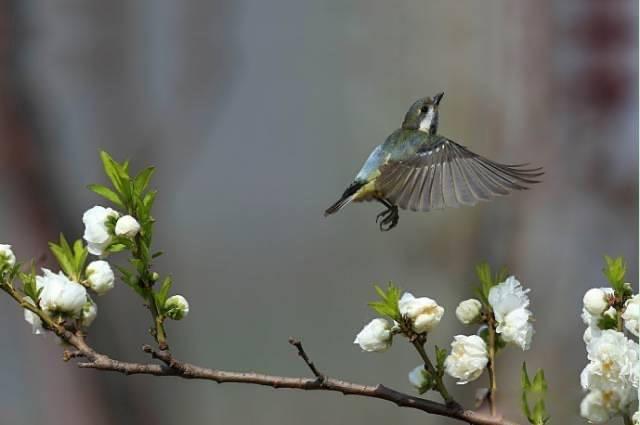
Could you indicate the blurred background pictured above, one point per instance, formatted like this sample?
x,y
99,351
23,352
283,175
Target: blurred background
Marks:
x,y
257,115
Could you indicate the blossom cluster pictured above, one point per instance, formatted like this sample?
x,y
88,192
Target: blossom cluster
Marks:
x,y
506,310
505,307
612,376
65,297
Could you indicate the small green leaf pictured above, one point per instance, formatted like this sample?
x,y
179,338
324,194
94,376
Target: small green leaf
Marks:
x,y
539,384
607,322
111,170
106,193
615,270
524,378
148,201
116,247
142,180
524,405
441,356
162,295
388,306
539,413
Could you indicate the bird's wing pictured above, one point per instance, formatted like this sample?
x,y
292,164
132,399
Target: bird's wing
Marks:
x,y
446,174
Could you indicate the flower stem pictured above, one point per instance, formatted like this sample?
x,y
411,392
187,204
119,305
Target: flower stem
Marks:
x,y
491,365
627,419
418,343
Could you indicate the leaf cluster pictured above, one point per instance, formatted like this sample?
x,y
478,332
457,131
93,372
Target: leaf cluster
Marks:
x,y
488,280
387,306
535,388
614,270
71,259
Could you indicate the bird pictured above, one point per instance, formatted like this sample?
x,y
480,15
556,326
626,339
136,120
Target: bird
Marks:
x,y
418,169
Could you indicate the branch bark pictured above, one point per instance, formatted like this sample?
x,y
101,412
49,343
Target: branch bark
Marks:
x,y
172,367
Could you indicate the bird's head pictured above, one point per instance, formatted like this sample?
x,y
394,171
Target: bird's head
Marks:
x,y
423,115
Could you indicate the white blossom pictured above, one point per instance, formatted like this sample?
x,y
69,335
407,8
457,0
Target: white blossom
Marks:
x,y
613,358
33,319
417,378
127,226
59,294
596,407
176,307
375,336
89,313
601,404
469,311
468,358
631,315
595,301
100,276
96,232
7,256
424,313
509,302
636,418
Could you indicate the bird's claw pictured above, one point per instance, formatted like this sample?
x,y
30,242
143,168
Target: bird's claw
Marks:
x,y
388,219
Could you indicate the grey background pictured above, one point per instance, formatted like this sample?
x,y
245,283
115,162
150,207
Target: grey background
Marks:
x,y
257,114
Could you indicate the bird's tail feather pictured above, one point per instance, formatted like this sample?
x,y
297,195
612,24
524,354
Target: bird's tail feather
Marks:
x,y
346,197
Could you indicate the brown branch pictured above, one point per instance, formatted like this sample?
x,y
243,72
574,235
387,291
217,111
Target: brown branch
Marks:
x,y
298,344
173,367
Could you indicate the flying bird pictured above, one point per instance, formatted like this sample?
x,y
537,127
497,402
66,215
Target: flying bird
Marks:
x,y
420,170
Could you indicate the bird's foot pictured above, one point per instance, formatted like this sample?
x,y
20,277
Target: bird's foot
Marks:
x,y
388,219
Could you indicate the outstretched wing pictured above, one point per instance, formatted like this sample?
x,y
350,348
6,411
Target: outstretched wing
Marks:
x,y
447,174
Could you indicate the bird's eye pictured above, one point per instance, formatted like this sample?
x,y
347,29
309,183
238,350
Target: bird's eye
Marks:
x,y
424,109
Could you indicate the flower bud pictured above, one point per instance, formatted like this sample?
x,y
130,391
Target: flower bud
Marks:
x,y
96,232
424,313
418,378
375,336
468,358
7,256
33,319
595,301
176,307
631,315
469,311
127,226
100,276
60,295
89,313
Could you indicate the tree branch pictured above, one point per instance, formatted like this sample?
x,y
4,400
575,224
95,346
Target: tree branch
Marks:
x,y
173,367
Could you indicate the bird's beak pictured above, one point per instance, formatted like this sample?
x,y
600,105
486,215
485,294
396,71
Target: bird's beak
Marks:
x,y
437,98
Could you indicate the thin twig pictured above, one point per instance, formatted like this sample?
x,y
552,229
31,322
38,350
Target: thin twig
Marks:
x,y
298,344
418,343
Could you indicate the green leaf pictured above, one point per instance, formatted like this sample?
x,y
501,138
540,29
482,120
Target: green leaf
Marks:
x,y
116,247
441,356
148,201
106,193
111,170
607,322
524,405
614,271
539,413
80,254
525,383
539,384
162,295
65,257
388,306
483,272
142,180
